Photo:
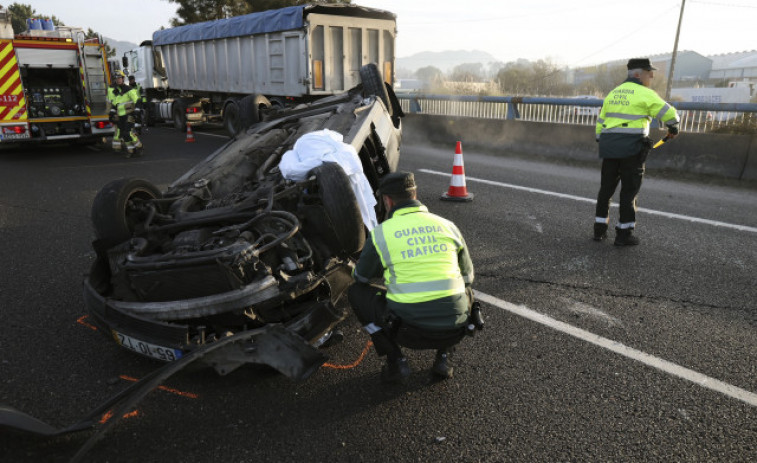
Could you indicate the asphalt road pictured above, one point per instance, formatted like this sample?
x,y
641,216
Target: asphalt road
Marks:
x,y
590,352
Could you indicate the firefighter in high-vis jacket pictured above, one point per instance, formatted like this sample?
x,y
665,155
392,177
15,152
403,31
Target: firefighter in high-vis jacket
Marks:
x,y
623,135
123,100
427,275
139,112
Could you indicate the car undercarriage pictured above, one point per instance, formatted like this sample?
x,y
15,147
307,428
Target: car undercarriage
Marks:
x,y
233,245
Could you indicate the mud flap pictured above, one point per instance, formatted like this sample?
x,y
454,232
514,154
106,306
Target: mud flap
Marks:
x,y
273,345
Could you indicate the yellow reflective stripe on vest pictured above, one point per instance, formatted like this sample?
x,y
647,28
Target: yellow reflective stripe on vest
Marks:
x,y
457,285
664,110
632,130
383,249
419,253
628,117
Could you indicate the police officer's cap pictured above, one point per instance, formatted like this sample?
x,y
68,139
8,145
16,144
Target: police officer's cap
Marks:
x,y
397,183
640,63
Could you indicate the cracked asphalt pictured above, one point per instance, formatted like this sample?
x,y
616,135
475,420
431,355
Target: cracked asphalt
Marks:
x,y
522,391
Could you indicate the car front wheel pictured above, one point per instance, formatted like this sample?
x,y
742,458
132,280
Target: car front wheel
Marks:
x,y
341,209
115,210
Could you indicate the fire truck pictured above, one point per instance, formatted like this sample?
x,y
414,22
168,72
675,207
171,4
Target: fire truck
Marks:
x,y
53,84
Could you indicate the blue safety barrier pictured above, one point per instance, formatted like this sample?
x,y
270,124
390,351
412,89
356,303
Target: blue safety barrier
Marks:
x,y
695,117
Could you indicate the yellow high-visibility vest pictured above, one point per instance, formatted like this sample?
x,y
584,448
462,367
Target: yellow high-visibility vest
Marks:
x,y
630,107
419,252
124,102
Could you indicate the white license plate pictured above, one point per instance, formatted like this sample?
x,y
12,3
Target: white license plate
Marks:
x,y
145,348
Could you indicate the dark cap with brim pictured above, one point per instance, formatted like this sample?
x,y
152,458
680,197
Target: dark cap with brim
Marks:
x,y
397,183
640,63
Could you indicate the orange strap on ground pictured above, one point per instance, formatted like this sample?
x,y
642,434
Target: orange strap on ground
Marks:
x,y
353,364
81,321
189,395
109,415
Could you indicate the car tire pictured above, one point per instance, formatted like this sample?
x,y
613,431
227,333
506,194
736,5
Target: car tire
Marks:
x,y
114,223
231,117
341,209
374,85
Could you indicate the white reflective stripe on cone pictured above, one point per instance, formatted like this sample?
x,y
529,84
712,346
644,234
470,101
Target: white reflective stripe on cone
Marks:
x,y
457,180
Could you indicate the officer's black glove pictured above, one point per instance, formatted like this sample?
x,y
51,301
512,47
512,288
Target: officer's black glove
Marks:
x,y
673,129
112,117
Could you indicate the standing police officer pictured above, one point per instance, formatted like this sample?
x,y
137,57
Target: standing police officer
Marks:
x,y
623,136
427,274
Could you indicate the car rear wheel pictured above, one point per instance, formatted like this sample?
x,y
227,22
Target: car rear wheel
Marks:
x,y
374,85
114,214
345,224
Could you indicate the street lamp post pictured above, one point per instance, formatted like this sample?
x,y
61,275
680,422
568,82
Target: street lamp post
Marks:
x,y
675,52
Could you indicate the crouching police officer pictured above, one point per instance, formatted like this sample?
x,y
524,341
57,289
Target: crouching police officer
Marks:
x,y
123,100
427,273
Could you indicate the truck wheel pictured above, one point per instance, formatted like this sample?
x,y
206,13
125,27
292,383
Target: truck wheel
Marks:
x,y
231,118
179,112
341,209
278,102
149,113
113,215
249,109
374,85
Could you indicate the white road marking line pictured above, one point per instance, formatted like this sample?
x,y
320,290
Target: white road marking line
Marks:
x,y
629,352
594,200
211,134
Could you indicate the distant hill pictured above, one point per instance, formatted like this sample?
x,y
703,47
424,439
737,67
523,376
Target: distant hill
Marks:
x,y
120,47
444,60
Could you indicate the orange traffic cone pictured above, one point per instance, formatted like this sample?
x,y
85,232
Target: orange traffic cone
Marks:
x,y
457,190
190,135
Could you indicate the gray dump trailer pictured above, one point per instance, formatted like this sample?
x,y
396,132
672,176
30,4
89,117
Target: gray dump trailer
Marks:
x,y
229,70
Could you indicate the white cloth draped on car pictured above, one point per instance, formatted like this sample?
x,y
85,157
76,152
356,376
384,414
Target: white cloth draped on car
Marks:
x,y
313,149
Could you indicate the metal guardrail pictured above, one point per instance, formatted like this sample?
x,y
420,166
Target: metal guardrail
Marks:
x,y
695,117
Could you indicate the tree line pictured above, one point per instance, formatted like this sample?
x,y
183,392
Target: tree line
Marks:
x,y
524,77
194,11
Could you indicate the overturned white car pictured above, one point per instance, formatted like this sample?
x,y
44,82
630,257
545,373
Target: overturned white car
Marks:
x,y
239,247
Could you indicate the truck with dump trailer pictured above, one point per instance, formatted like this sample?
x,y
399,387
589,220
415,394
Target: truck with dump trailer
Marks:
x,y
226,71
53,84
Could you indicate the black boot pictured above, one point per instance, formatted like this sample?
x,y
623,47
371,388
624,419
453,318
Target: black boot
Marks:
x,y
600,231
442,365
395,371
624,237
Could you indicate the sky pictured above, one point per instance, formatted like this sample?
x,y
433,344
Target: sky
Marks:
x,y
569,33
